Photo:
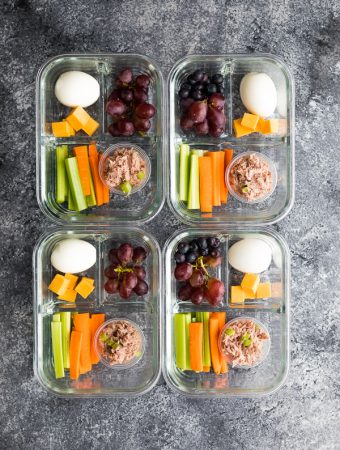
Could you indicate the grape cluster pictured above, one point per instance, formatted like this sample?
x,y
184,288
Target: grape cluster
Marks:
x,y
193,258
128,105
202,104
125,273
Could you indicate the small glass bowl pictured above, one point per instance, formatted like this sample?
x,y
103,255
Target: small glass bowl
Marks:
x,y
110,151
265,346
238,196
134,360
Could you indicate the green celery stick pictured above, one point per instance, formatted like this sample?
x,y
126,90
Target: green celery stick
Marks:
x,y
66,331
70,202
180,340
206,341
56,317
61,178
194,184
187,354
57,349
198,152
184,158
75,184
91,199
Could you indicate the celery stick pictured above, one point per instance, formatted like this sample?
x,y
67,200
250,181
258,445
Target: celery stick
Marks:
x,y
184,158
194,184
75,184
70,202
61,178
56,317
57,349
198,152
91,199
66,331
180,340
206,341
187,355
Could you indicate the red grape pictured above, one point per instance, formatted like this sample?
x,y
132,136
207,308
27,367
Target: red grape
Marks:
x,y
145,110
141,288
215,131
125,127
183,271
130,280
124,253
139,255
115,95
125,76
140,95
186,123
216,101
184,292
202,128
186,102
113,255
141,124
197,278
198,111
209,261
197,295
124,291
215,291
216,118
109,271
142,81
111,286
140,272
115,108
113,130
126,95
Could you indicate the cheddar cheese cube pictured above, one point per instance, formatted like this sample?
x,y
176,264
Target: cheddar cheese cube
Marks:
x,y
239,129
270,126
250,281
250,121
84,288
264,290
248,293
78,118
89,280
90,127
73,280
237,294
69,295
59,284
62,129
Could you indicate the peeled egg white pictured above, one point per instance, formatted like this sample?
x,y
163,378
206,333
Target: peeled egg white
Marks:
x,y
73,256
258,94
250,255
76,88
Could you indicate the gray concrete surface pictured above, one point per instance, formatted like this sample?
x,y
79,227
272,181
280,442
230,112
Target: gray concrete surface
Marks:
x,y
305,413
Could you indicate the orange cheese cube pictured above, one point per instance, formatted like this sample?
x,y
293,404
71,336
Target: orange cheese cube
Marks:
x,y
264,290
239,129
62,129
250,281
84,288
73,280
250,121
59,284
90,127
89,280
248,293
259,125
69,295
78,118
237,294
270,126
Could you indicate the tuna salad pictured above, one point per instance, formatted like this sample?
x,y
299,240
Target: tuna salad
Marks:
x,y
250,177
119,342
242,342
124,169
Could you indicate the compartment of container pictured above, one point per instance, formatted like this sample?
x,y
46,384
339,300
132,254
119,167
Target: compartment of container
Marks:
x,y
144,311
278,146
105,68
272,313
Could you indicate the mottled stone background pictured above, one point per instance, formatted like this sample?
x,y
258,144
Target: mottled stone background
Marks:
x,y
305,413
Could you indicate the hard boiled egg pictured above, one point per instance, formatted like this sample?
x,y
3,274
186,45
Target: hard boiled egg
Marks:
x,y
258,94
73,256
76,88
250,255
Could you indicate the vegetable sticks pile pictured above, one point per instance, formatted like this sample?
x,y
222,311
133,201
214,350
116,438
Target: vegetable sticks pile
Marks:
x,y
196,341
77,178
72,347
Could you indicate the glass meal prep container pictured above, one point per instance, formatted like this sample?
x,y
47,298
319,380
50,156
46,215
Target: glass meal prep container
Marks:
x,y
272,312
139,207
144,311
279,148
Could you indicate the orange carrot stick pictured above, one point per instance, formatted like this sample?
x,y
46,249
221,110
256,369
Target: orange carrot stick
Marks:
x,y
95,322
206,183
214,335
98,185
75,350
206,369
228,156
223,186
82,324
196,346
106,190
216,177
83,167
221,316
93,150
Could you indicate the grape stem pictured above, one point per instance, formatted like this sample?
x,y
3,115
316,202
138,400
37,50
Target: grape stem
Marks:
x,y
200,265
121,269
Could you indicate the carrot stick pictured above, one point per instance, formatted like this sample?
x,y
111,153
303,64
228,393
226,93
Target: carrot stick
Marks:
x,y
223,186
95,322
221,316
106,190
75,350
98,185
82,324
214,335
93,150
228,156
83,167
196,346
206,369
215,157
206,183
